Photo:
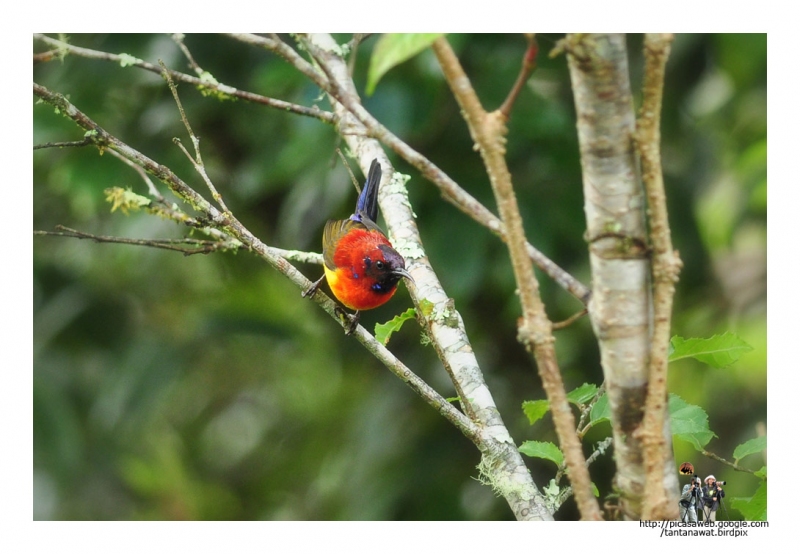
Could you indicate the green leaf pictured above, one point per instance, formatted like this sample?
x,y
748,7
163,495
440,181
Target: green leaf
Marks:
x,y
545,450
688,422
595,490
394,49
582,394
535,409
718,351
601,411
755,507
753,446
383,331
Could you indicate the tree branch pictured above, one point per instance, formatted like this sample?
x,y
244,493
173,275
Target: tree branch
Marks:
x,y
450,190
528,65
197,161
203,246
276,45
535,331
202,84
233,228
502,464
87,141
658,503
720,459
620,308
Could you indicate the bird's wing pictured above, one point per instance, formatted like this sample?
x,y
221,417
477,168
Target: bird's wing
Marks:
x,y
334,230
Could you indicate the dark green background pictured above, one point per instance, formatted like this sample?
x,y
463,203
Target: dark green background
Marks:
x,y
204,387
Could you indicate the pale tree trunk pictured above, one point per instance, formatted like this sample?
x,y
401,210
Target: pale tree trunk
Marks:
x,y
621,304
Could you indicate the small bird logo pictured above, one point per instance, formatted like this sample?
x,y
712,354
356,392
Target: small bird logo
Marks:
x,y
361,266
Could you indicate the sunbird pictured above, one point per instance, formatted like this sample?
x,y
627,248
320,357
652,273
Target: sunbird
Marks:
x,y
360,264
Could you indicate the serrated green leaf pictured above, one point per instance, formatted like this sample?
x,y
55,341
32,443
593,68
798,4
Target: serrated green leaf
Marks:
x,y
752,446
718,351
393,49
755,507
383,331
535,409
545,450
582,394
601,411
689,423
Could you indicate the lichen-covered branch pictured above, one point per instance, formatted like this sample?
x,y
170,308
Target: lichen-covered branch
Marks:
x,y
231,227
502,464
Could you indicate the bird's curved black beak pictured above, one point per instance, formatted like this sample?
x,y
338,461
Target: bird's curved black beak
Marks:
x,y
403,273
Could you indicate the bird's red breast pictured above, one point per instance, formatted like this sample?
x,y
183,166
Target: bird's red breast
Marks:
x,y
361,266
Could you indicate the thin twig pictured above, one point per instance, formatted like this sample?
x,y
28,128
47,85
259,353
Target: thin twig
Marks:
x,y
357,39
528,65
276,45
203,246
178,39
85,142
583,427
566,492
197,161
349,171
735,466
42,57
151,188
570,320
203,85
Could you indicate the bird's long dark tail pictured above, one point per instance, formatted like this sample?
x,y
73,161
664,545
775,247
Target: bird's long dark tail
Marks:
x,y
368,199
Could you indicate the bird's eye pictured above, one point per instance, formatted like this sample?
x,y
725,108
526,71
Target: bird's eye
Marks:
x,y
380,265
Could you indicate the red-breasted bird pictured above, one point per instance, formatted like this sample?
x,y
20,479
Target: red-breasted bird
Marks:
x,y
361,266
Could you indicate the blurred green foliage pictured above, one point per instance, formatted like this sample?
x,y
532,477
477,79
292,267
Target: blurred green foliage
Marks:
x,y
204,387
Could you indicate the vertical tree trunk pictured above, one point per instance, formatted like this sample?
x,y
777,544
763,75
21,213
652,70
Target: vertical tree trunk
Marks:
x,y
621,304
